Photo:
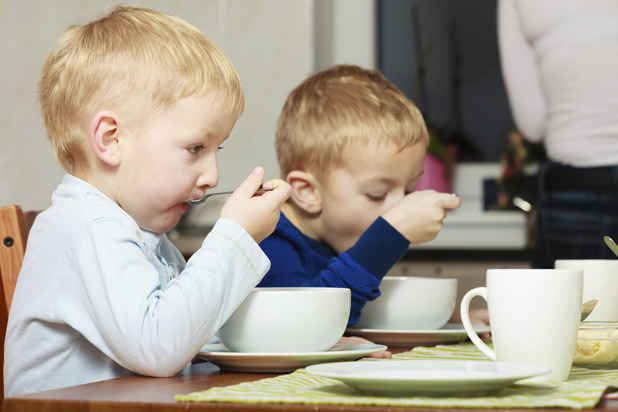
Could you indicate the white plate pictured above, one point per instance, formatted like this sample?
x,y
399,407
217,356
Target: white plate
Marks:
x,y
283,362
431,378
449,333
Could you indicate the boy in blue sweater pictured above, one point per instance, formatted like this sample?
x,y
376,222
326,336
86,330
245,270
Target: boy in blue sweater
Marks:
x,y
352,147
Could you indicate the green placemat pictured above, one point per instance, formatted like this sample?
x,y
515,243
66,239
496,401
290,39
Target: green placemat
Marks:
x,y
583,389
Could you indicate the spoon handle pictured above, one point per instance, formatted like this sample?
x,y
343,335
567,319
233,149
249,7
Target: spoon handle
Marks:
x,y
206,196
611,244
587,308
229,192
260,190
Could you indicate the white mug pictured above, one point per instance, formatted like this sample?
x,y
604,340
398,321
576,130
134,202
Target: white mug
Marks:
x,y
534,316
600,282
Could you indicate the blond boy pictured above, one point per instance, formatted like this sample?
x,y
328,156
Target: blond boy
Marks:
x,y
136,105
352,147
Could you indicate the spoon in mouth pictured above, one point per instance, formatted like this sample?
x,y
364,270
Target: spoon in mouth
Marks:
x,y
206,196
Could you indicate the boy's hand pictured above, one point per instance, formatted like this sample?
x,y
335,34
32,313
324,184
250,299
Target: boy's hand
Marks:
x,y
419,215
257,214
477,317
356,339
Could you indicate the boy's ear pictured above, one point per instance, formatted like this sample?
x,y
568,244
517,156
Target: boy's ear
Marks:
x,y
305,191
104,137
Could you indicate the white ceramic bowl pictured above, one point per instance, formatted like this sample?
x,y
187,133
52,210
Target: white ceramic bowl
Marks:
x,y
285,320
410,303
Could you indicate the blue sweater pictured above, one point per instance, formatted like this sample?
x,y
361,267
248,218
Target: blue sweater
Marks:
x,y
298,260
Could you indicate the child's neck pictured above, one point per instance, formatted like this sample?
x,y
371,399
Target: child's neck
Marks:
x,y
299,219
307,224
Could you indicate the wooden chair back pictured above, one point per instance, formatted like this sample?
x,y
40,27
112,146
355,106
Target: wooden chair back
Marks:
x,y
14,228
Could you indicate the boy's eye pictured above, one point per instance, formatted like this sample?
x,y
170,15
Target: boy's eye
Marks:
x,y
195,149
376,197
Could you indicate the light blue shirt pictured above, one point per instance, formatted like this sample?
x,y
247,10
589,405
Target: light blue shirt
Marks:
x,y
99,298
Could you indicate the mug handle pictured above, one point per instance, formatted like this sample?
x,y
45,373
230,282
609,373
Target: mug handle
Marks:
x,y
465,318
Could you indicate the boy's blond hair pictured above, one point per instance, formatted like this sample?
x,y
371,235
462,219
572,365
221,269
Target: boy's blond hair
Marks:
x,y
337,106
132,61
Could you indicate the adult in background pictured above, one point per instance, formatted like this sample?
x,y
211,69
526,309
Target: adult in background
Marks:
x,y
559,62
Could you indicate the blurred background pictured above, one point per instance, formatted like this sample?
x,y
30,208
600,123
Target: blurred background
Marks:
x,y
442,53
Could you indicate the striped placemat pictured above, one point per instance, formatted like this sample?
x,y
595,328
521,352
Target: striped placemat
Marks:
x,y
582,390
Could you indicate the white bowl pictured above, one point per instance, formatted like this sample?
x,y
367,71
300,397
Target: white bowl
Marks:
x,y
285,320
410,303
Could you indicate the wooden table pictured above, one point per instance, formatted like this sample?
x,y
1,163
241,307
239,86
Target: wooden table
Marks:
x,y
136,393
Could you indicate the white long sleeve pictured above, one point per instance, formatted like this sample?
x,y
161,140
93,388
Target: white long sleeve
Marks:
x,y
98,298
559,60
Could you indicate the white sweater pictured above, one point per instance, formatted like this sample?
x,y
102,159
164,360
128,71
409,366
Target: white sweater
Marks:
x,y
560,66
98,298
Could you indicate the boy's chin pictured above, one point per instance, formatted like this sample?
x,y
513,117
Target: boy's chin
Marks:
x,y
170,219
160,227
167,228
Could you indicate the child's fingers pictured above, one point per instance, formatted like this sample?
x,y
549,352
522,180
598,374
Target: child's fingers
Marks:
x,y
280,189
380,355
251,184
356,339
449,200
272,184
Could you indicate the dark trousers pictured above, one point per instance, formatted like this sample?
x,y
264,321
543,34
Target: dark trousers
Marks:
x,y
577,207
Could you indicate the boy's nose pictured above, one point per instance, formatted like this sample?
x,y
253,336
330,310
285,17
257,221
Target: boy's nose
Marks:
x,y
208,178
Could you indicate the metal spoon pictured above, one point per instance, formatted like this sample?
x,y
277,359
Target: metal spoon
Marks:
x,y
611,244
206,196
587,308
